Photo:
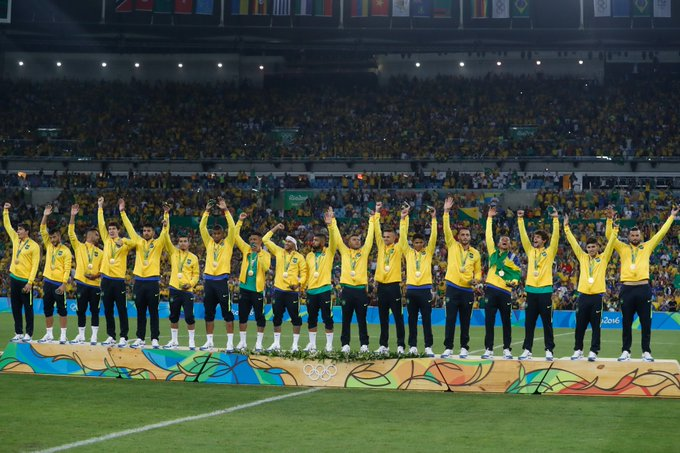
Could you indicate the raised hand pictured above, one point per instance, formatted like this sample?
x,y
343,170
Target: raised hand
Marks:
x,y
404,212
7,206
328,217
492,212
566,220
166,207
448,204
48,210
553,212
520,213
378,206
75,209
610,212
121,205
432,211
242,216
100,202
675,210
279,227
222,204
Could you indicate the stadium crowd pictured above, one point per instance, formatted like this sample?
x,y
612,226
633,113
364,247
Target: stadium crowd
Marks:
x,y
626,117
188,196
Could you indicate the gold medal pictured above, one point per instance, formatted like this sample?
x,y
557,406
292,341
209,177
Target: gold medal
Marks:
x,y
535,273
418,274
250,273
387,268
146,262
501,273
52,267
316,275
16,262
285,275
353,274
591,280
180,275
89,266
632,267
462,270
112,261
214,263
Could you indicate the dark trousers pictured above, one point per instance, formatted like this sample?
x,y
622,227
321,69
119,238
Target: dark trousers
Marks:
x,y
286,301
458,304
355,300
113,292
21,300
181,300
216,292
636,299
419,301
588,310
88,296
389,299
538,305
316,302
51,298
147,297
251,300
501,301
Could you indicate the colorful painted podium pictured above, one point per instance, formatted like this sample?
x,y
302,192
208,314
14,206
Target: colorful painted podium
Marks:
x,y
605,377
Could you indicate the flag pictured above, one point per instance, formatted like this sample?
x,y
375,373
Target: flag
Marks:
x,y
259,7
162,6
642,8
359,8
662,8
281,8
602,8
480,9
323,8
239,7
380,8
123,6
303,7
421,8
207,7
621,8
401,8
468,213
441,9
500,9
507,265
184,6
520,9
144,5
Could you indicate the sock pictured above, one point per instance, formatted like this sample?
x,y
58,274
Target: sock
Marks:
x,y
81,331
277,337
312,339
95,330
210,338
296,338
192,333
49,331
329,340
230,340
242,336
258,343
173,335
62,333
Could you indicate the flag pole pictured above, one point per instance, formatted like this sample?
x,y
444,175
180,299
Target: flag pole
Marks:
x,y
342,14
580,26
461,25
222,13
103,11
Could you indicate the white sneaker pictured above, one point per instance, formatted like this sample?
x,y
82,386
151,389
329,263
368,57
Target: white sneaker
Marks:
x,y
63,340
93,340
171,345
592,356
80,339
17,338
507,355
241,346
526,355
382,350
294,349
413,350
329,348
138,343
110,341
46,339
400,350
230,348
310,348
154,344
624,357
274,347
463,353
363,349
647,357
26,338
258,348
122,343
446,354
207,346
192,345
488,354
345,349
428,352
549,356
578,354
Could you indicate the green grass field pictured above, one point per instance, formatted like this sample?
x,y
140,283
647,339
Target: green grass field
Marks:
x,y
67,410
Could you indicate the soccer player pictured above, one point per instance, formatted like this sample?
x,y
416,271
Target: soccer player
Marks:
x,y
319,287
354,282
184,274
22,271
113,268
503,275
388,279
218,249
252,279
539,283
56,273
591,287
463,273
419,280
88,279
290,277
147,274
636,293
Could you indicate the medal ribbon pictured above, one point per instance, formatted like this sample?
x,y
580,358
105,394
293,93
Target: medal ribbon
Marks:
x,y
21,248
633,253
90,256
317,257
418,260
463,258
591,266
537,261
252,261
147,249
217,248
114,249
388,256
354,260
181,262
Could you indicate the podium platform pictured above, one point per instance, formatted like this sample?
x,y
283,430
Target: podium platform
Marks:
x,y
605,377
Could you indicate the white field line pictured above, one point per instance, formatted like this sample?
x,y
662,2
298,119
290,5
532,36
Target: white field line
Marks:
x,y
176,421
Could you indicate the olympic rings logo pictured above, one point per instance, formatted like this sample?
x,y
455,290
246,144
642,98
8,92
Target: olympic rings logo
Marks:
x,y
323,372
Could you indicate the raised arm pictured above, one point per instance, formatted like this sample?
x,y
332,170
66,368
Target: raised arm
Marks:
x,y
432,243
203,225
332,241
166,241
368,244
376,226
234,229
267,240
524,237
654,240
334,232
240,243
75,243
126,222
490,245
403,231
43,225
7,223
572,240
101,223
609,249
555,236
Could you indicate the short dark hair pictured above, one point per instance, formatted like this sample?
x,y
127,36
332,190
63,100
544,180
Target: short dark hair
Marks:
x,y
321,235
148,225
634,228
389,229
418,236
464,229
113,224
592,240
54,230
92,229
545,236
216,227
255,233
24,226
